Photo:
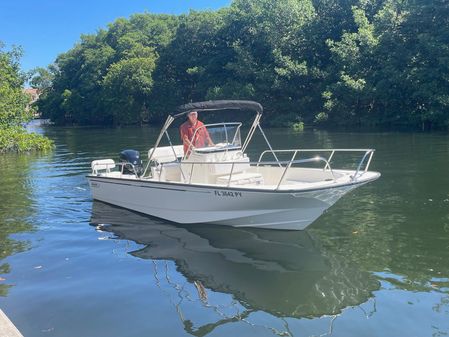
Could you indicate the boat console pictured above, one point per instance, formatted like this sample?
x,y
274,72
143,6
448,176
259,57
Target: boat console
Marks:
x,y
209,165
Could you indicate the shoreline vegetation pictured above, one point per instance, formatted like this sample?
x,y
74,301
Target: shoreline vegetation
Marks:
x,y
15,111
320,63
19,140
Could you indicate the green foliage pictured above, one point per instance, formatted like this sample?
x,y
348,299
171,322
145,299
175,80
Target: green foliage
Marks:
x,y
393,66
329,62
321,117
17,139
127,85
13,101
15,109
192,64
267,40
107,78
42,78
298,127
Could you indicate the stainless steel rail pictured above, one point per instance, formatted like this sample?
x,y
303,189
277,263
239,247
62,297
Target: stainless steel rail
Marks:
x,y
287,164
108,169
368,153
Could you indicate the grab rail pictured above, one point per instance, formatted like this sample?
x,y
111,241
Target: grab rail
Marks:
x,y
368,154
287,164
302,161
362,166
132,166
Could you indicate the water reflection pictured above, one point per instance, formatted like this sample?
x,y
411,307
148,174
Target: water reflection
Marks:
x,y
16,207
283,273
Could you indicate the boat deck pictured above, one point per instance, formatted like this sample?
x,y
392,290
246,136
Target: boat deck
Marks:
x,y
309,179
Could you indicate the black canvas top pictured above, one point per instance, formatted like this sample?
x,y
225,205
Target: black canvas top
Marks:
x,y
218,105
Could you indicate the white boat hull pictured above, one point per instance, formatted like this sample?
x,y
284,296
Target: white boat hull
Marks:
x,y
232,206
210,179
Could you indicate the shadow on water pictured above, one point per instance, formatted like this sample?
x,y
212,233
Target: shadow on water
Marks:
x,y
286,274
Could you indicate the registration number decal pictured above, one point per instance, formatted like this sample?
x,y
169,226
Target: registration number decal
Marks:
x,y
228,194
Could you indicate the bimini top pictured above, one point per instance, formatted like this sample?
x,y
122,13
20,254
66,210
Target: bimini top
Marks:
x,y
218,105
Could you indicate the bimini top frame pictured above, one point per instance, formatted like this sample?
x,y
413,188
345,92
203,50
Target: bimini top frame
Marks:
x,y
218,105
213,106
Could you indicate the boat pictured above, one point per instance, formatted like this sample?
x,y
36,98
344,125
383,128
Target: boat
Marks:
x,y
219,184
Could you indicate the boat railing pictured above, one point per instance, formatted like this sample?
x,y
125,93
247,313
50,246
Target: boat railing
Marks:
x,y
362,165
126,166
288,164
102,165
108,166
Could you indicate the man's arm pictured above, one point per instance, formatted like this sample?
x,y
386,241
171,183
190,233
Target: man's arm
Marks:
x,y
185,138
208,139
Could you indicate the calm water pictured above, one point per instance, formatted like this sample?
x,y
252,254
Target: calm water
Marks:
x,y
376,264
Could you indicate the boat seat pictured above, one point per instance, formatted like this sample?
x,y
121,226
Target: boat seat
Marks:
x,y
165,154
242,179
168,172
102,165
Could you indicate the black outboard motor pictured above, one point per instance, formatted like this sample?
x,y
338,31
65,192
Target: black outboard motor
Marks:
x,y
130,158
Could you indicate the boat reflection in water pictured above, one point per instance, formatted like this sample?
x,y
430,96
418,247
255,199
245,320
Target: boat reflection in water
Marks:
x,y
283,273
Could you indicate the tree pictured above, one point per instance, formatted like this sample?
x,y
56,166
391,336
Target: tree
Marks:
x,y
13,101
329,62
14,107
190,64
42,78
350,97
267,39
127,86
392,67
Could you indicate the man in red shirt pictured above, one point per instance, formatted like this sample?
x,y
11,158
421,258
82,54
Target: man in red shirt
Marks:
x,y
187,131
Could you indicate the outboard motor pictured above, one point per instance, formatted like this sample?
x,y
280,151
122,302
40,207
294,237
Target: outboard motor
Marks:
x,y
130,158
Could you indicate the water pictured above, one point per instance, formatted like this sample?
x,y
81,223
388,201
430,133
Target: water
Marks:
x,y
376,264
